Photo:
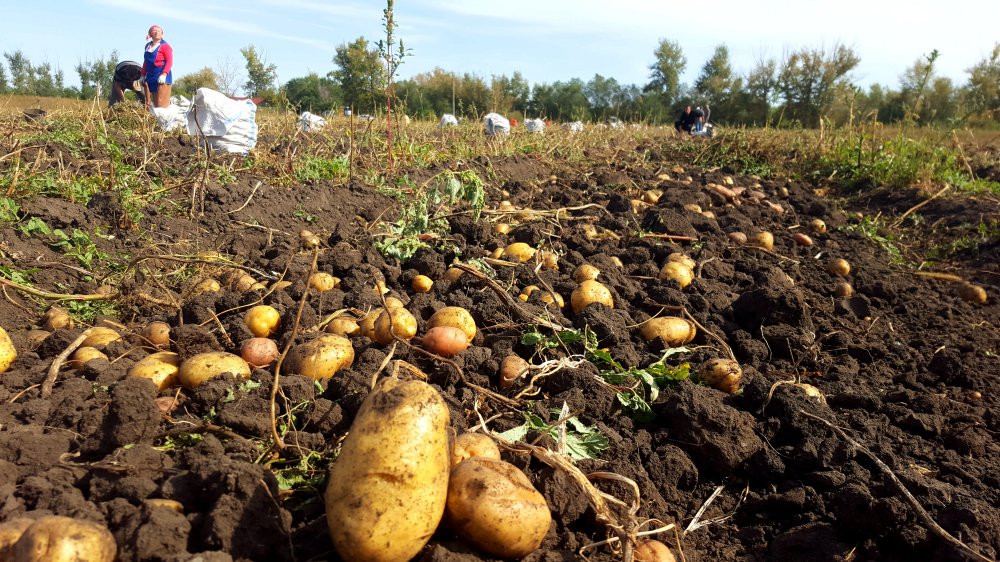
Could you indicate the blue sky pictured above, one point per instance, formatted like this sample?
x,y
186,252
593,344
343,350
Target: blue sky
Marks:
x,y
547,40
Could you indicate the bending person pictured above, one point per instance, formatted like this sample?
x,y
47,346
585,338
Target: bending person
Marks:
x,y
127,76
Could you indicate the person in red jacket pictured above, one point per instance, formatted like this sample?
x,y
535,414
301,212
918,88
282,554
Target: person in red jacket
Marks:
x,y
157,68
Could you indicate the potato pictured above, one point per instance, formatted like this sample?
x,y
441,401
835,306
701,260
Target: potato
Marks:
x,y
552,299
502,228
966,291
617,261
493,505
588,293
468,445
7,351
308,238
456,317
263,320
737,238
550,260
839,267
519,251
723,374
63,539
445,341
100,337
421,284
585,272
652,196
817,226
83,355
344,326
650,550
512,368
387,489
366,326
677,272
259,352
802,239
204,366
157,334
161,368
682,259
674,331
763,240
453,274
322,357
56,318
843,289
10,532
322,281
395,321
206,286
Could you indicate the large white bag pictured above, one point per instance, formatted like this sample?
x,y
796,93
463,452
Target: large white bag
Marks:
x,y
226,125
534,125
495,124
310,122
448,120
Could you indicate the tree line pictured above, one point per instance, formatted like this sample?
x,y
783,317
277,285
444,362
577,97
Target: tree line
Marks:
x,y
802,88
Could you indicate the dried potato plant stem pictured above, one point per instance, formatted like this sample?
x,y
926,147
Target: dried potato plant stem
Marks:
x,y
276,384
729,350
921,513
50,378
505,296
55,296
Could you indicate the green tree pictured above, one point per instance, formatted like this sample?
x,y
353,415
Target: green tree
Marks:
x,y
34,80
261,74
360,74
563,101
810,79
188,84
913,88
983,90
665,73
511,94
3,80
313,93
95,76
604,97
715,83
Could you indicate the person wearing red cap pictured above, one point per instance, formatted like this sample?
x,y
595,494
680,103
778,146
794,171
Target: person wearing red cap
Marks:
x,y
157,68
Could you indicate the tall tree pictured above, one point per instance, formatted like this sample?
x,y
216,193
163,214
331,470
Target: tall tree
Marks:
x,y
227,74
3,80
761,86
360,73
261,74
983,90
95,76
715,82
188,84
513,93
604,96
809,80
665,72
913,88
313,92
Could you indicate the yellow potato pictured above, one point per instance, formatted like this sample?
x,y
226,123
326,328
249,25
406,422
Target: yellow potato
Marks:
x,y
7,351
100,337
585,272
672,330
83,355
468,445
422,284
366,326
322,281
343,326
204,366
589,292
456,317
493,505
387,489
10,532
677,272
322,357
206,286
157,334
682,259
57,318
263,320
63,539
161,368
396,321
519,251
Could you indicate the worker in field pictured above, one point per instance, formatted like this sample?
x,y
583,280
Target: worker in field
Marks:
x,y
690,120
157,68
127,76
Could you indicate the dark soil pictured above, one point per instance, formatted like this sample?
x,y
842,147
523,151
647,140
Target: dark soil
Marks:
x,y
904,365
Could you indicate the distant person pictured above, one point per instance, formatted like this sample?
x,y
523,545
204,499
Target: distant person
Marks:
x,y
157,68
699,119
127,76
685,122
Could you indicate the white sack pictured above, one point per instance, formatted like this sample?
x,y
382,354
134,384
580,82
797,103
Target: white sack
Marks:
x,y
226,124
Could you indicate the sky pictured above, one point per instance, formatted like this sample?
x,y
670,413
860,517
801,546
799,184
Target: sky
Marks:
x,y
546,40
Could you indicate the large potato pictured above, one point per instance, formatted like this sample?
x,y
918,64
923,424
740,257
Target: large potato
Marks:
x,y
10,532
589,292
263,320
63,539
456,317
493,505
160,367
204,366
322,357
395,321
387,489
469,445
7,352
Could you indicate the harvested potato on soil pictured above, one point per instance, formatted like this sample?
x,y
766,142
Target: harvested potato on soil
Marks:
x,y
650,550
421,284
7,351
585,272
204,366
344,326
100,337
445,341
157,334
57,318
160,367
512,368
263,320
674,331
83,355
259,352
387,489
839,267
322,281
322,357
676,272
456,317
468,445
972,293
588,293
394,323
10,532
763,240
519,251
682,259
492,505
206,286
64,539
723,374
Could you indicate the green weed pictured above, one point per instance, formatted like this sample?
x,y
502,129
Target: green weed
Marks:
x,y
876,230
9,210
580,440
312,169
